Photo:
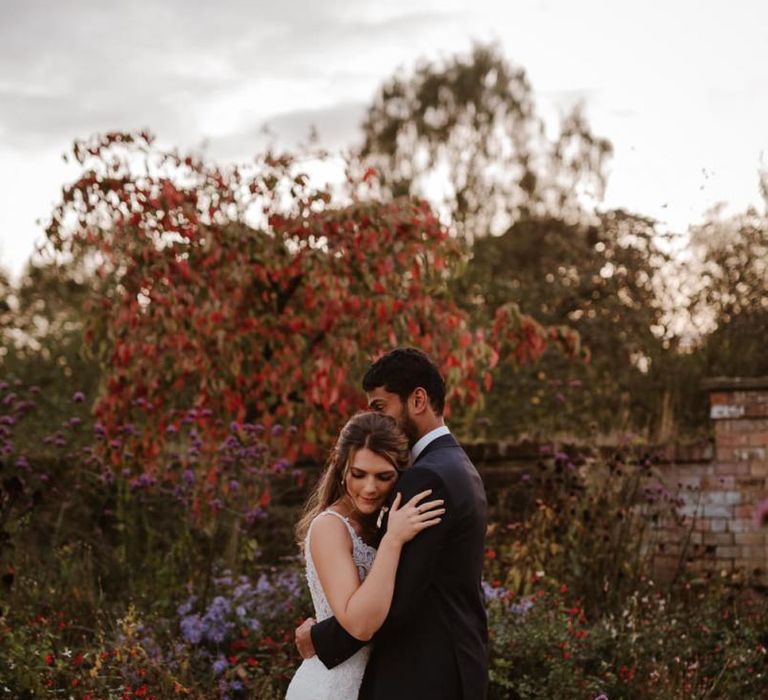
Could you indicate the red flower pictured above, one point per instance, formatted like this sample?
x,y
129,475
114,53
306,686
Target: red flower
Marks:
x,y
49,660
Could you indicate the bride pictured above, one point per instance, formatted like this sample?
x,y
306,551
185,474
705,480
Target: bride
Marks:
x,y
348,577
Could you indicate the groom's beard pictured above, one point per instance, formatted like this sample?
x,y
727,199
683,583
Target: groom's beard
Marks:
x,y
408,426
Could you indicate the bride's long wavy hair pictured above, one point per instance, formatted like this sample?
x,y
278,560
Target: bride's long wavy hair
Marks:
x,y
375,431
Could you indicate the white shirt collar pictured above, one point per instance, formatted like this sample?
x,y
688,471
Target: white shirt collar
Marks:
x,y
424,440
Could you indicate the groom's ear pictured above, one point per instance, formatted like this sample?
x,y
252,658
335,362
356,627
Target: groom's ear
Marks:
x,y
419,401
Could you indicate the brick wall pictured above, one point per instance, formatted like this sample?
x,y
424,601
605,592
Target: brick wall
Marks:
x,y
720,493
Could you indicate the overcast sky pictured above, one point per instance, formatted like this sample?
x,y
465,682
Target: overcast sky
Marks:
x,y
680,87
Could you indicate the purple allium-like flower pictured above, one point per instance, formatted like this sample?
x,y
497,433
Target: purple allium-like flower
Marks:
x,y
234,427
186,606
277,430
192,629
522,607
79,397
189,476
561,456
525,477
7,420
234,485
281,465
115,444
254,514
219,666
74,422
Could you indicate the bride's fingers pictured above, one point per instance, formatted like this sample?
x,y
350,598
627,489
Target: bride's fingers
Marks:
x,y
396,502
429,523
419,497
430,514
429,505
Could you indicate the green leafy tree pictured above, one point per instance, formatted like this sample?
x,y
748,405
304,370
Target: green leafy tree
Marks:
x,y
605,280
731,301
42,325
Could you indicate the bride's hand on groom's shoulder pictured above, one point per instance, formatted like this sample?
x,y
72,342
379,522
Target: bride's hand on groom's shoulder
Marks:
x,y
416,515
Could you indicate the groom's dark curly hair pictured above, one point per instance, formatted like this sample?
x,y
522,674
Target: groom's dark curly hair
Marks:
x,y
404,369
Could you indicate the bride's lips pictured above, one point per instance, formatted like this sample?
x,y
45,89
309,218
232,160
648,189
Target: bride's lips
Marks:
x,y
370,501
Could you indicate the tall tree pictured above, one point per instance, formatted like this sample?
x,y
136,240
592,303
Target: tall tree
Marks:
x,y
468,128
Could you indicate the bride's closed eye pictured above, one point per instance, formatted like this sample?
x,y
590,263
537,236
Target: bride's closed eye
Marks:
x,y
386,477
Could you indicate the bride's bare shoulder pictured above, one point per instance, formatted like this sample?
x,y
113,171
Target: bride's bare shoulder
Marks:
x,y
329,532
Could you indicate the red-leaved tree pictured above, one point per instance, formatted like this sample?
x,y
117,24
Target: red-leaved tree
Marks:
x,y
248,295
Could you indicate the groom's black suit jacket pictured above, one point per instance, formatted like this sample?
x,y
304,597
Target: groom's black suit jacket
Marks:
x,y
433,644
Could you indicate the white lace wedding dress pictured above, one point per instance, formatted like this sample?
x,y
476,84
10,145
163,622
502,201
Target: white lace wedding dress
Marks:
x,y
313,681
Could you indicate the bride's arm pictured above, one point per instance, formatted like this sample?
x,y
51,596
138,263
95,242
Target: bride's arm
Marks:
x,y
361,608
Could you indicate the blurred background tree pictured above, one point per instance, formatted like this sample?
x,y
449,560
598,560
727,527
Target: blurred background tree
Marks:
x,y
468,128
42,325
732,299
605,280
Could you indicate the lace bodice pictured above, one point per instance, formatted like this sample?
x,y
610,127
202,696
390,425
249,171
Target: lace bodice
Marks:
x,y
362,554
313,681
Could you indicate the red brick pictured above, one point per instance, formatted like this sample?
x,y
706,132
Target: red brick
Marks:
x,y
718,538
744,512
752,553
751,538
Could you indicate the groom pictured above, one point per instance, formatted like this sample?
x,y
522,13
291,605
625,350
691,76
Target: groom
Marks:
x,y
433,644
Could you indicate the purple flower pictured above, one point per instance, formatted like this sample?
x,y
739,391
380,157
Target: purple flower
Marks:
x,y
189,476
219,666
277,430
74,422
281,465
171,429
192,629
79,397
525,477
234,427
257,513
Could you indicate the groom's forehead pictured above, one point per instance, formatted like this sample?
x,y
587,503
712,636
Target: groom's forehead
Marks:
x,y
380,396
